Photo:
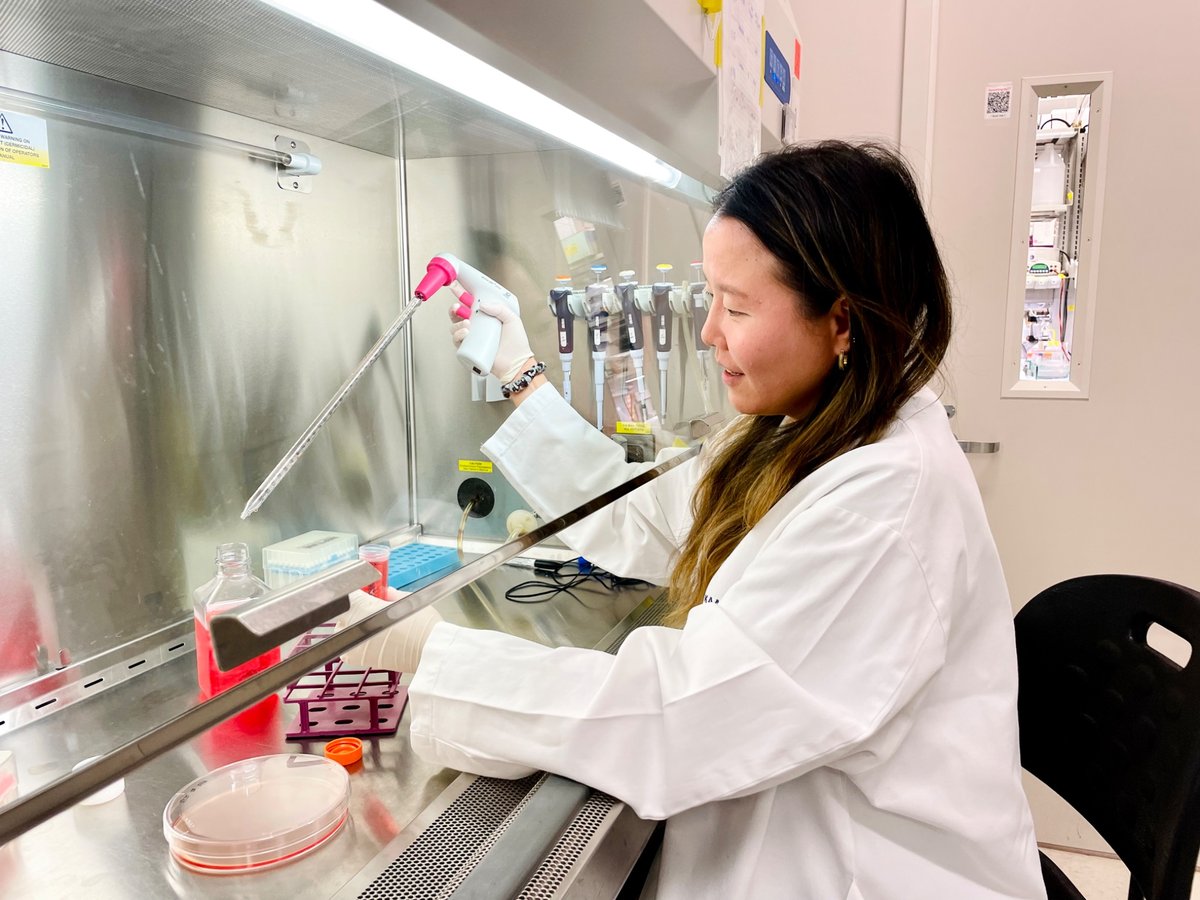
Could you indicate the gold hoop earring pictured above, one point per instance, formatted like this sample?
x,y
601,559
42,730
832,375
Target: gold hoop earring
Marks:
x,y
843,361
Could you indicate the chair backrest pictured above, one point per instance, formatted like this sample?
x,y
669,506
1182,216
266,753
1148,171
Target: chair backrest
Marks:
x,y
1111,725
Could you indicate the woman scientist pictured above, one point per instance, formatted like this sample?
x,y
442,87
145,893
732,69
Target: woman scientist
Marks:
x,y
836,716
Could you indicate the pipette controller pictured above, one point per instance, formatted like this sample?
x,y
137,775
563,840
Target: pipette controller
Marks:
x,y
478,351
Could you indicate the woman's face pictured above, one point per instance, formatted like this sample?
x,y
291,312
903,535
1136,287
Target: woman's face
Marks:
x,y
774,359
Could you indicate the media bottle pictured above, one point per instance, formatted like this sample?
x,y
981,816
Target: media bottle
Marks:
x,y
233,586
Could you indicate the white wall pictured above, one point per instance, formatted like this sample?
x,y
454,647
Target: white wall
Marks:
x,y
850,71
1106,484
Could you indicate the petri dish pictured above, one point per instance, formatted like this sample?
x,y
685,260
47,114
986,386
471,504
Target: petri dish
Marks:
x,y
257,813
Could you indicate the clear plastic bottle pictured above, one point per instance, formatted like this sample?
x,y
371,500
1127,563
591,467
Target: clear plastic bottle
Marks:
x,y
1049,177
233,585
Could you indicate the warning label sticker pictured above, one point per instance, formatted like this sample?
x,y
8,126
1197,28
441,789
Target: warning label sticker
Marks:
x,y
633,428
474,465
23,140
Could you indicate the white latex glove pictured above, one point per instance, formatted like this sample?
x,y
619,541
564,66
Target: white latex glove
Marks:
x,y
399,648
513,352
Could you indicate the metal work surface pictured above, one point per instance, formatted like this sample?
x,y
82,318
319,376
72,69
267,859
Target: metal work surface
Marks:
x,y
116,850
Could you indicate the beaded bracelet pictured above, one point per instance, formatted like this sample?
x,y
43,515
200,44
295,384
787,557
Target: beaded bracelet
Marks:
x,y
521,382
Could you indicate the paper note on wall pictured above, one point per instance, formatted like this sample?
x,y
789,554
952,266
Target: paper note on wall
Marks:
x,y
791,115
739,109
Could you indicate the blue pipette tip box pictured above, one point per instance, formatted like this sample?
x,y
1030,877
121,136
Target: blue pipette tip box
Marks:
x,y
408,562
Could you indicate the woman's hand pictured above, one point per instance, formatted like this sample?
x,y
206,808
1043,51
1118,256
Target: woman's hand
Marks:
x,y
513,355
399,648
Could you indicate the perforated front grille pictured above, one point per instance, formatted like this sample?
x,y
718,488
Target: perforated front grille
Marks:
x,y
434,865
569,848
647,614
437,862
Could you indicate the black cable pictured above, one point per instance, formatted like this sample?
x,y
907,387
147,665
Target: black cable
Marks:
x,y
563,578
1053,119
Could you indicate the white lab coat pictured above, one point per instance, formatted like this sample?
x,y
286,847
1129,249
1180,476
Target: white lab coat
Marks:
x,y
837,720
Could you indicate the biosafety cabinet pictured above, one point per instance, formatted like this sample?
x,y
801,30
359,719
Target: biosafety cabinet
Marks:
x,y
209,213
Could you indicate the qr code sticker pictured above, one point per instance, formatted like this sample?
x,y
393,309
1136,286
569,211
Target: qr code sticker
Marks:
x,y
998,101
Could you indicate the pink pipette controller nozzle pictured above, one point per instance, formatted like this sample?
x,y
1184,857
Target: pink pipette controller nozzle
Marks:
x,y
438,274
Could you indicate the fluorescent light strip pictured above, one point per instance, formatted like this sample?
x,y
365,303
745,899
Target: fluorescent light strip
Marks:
x,y
382,32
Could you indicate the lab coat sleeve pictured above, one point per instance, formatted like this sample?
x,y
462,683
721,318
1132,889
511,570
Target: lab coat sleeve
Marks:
x,y
558,461
810,659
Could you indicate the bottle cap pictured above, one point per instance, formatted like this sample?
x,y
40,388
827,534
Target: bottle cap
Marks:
x,y
345,750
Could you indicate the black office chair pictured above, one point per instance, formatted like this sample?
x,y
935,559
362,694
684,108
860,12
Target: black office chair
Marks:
x,y
1112,726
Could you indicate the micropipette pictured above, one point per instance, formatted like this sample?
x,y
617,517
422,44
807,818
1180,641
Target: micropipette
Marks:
x,y
598,336
632,336
700,304
560,305
661,294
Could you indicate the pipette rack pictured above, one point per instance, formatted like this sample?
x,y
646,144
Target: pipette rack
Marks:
x,y
338,700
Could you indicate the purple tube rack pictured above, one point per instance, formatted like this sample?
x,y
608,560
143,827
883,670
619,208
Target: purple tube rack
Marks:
x,y
339,701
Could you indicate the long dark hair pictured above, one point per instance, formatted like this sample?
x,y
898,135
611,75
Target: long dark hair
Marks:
x,y
843,220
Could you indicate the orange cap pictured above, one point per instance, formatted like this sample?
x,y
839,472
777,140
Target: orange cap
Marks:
x,y
346,750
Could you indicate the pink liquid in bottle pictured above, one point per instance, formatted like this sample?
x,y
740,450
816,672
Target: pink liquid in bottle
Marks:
x,y
212,680
233,586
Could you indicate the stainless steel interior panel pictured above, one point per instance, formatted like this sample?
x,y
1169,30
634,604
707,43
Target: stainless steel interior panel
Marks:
x,y
170,321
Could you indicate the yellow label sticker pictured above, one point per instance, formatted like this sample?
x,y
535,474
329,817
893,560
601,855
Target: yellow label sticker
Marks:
x,y
23,140
474,465
633,428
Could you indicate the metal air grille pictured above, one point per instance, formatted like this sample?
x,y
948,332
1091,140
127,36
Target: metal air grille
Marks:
x,y
437,862
651,612
566,853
